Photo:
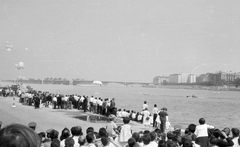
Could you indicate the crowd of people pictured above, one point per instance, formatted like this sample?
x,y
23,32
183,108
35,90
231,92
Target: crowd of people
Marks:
x,y
157,132
111,135
95,105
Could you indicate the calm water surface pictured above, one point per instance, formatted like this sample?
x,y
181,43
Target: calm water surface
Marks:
x,y
220,109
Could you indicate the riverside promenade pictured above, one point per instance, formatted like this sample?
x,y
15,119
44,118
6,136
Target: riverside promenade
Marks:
x,y
48,118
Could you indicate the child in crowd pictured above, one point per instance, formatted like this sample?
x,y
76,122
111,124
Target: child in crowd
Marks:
x,y
112,127
90,139
125,131
69,142
131,142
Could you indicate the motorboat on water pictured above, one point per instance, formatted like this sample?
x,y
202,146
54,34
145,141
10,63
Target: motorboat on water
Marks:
x,y
191,96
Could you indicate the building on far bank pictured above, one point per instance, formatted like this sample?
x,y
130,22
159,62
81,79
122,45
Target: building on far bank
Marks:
x,y
203,78
160,80
237,76
175,78
191,78
182,78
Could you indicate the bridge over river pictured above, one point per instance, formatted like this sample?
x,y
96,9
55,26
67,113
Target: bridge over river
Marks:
x,y
112,82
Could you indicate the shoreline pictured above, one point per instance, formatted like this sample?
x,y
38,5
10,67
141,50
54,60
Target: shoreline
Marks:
x,y
48,118
193,87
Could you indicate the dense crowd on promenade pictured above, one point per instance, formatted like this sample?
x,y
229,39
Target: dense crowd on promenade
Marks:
x,y
111,134
95,105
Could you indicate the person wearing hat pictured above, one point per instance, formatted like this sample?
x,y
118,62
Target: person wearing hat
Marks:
x,y
32,125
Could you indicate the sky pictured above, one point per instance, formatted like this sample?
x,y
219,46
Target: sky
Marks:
x,y
118,40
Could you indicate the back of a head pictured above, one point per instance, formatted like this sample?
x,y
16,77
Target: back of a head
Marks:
x,y
55,143
69,142
89,137
162,143
54,134
187,143
152,136
170,135
235,132
90,129
136,136
18,135
76,131
192,127
146,132
131,142
126,120
65,133
102,132
202,121
104,140
217,133
146,139
79,131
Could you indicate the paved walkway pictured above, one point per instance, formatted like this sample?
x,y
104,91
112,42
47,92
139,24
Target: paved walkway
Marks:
x,y
47,118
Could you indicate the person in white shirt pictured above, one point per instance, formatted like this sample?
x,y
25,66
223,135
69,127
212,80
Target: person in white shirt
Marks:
x,y
91,103
54,102
94,101
144,106
66,102
146,119
133,115
119,113
201,133
100,103
139,118
81,102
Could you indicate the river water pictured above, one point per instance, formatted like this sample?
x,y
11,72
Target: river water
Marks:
x,y
219,108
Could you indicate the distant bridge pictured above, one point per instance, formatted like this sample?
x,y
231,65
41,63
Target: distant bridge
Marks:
x,y
82,82
75,82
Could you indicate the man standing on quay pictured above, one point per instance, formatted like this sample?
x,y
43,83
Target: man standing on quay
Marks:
x,y
162,114
144,106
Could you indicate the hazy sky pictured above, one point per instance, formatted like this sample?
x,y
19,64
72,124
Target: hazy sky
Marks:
x,y
131,40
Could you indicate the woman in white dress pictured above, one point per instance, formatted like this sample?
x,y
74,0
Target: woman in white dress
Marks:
x,y
146,118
